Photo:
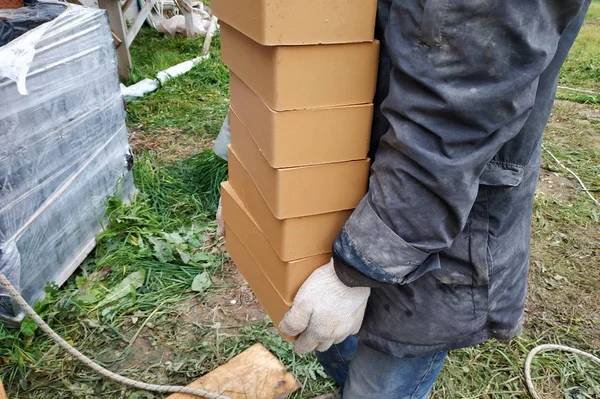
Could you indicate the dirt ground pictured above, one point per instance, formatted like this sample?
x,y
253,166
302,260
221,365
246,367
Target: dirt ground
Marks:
x,y
565,277
167,144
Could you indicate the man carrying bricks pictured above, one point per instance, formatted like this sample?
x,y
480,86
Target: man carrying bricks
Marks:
x,y
435,257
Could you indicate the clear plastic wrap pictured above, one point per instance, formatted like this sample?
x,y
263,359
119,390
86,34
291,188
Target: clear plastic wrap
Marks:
x,y
63,149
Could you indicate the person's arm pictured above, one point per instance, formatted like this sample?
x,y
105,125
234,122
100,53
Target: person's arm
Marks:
x,y
463,83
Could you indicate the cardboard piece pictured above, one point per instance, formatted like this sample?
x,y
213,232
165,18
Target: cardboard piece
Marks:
x,y
303,137
268,297
255,373
291,239
299,77
285,277
284,22
301,191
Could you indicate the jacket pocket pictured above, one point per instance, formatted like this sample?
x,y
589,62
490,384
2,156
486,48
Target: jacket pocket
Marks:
x,y
465,266
478,240
432,22
465,263
501,174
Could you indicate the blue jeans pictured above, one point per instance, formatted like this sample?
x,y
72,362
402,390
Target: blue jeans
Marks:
x,y
365,373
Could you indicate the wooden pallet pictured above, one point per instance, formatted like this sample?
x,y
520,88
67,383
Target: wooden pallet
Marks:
x,y
254,373
123,37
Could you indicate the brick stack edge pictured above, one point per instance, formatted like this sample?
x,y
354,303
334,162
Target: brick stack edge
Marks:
x,y
303,78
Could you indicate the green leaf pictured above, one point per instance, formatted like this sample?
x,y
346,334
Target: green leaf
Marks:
x,y
185,257
201,282
128,285
106,311
28,327
194,242
173,238
80,281
201,257
88,298
162,251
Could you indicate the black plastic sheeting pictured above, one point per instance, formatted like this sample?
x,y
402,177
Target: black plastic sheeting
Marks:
x,y
15,22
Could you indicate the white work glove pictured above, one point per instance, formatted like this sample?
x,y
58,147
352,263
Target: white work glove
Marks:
x,y
325,311
220,221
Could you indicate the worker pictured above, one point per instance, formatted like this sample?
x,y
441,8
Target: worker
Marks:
x,y
435,256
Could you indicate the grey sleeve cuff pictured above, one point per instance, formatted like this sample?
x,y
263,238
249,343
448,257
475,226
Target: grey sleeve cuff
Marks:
x,y
352,277
369,246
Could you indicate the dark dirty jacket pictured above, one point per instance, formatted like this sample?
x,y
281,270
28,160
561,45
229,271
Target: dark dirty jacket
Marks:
x,y
443,234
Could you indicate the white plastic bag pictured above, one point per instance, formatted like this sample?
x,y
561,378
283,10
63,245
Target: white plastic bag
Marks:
x,y
176,24
223,139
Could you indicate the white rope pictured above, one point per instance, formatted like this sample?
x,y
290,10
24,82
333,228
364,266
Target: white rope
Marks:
x,y
573,173
594,94
550,347
90,363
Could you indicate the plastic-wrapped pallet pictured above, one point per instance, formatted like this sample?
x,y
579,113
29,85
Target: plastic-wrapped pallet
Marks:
x,y
63,149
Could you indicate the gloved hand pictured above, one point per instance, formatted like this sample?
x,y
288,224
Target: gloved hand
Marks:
x,y
325,311
220,221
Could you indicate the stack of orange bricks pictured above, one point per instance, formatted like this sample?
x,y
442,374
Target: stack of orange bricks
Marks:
x,y
303,77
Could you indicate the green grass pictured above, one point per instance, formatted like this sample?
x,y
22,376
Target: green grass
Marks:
x,y
564,94
582,68
196,101
495,370
168,234
594,11
147,61
184,190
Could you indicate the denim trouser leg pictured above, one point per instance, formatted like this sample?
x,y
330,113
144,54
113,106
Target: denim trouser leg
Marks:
x,y
373,374
336,360
362,372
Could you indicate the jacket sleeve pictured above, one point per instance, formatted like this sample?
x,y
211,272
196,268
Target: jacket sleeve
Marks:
x,y
463,82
